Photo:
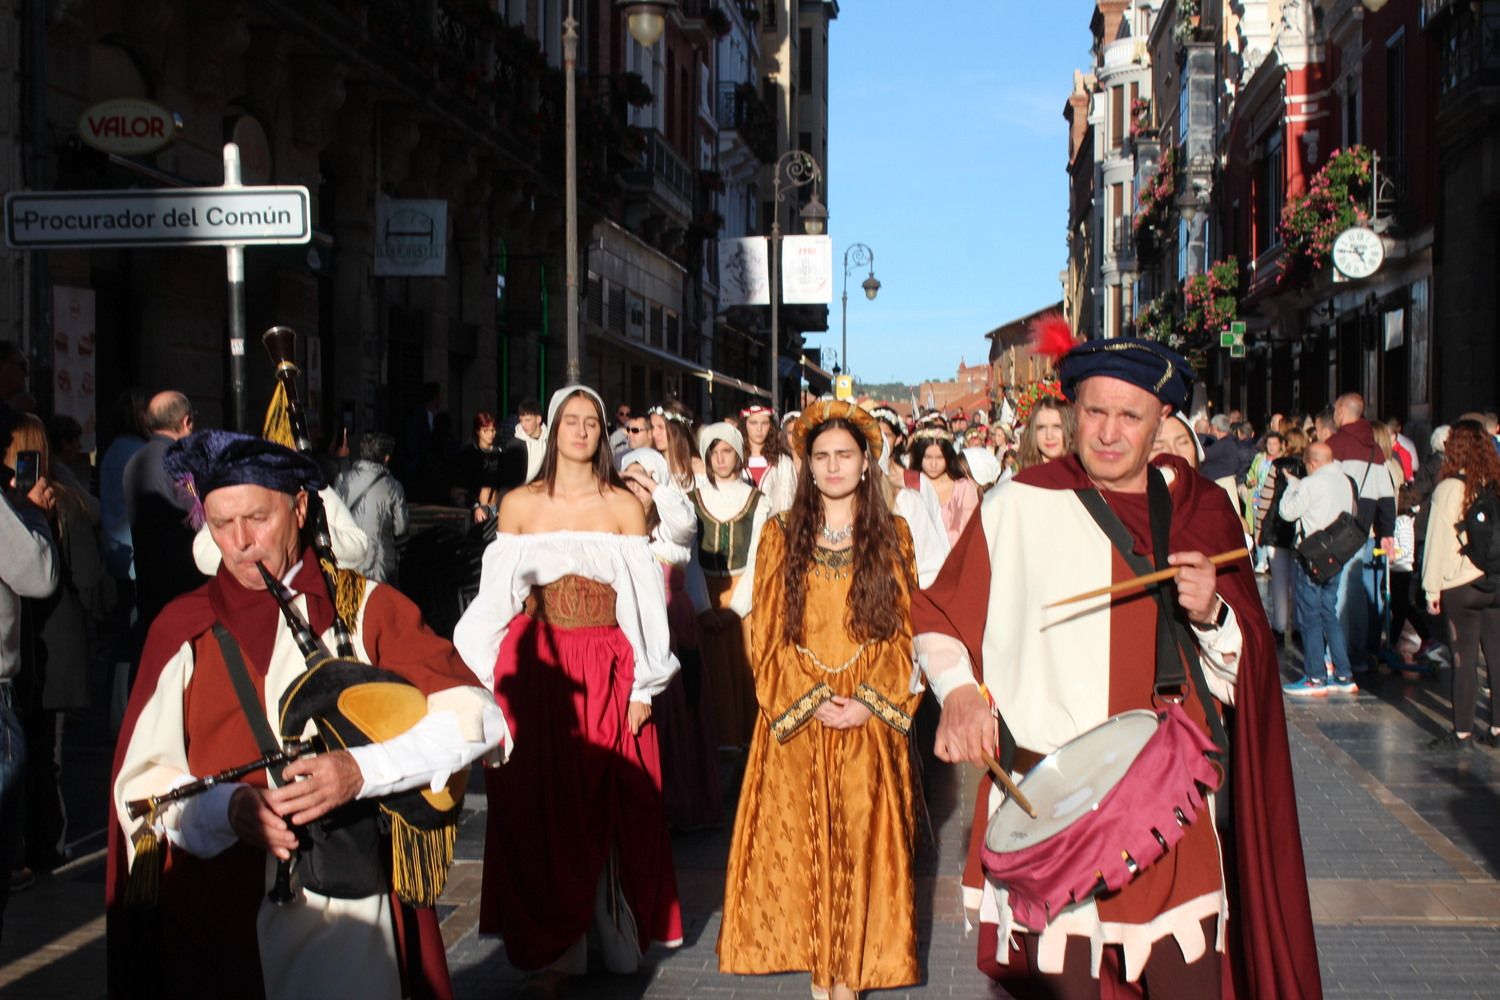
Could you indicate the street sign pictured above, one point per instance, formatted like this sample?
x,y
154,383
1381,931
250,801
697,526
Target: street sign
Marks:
x,y
216,216
843,387
1233,337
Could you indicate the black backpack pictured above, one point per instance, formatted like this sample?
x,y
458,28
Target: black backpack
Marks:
x,y
1481,528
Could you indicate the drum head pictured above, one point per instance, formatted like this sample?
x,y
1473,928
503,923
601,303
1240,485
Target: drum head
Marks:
x,y
1070,782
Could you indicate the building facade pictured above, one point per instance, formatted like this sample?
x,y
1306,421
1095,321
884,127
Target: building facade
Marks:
x,y
370,103
1257,110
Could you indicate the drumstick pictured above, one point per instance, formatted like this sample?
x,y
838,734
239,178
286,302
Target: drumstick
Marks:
x,y
1143,581
999,775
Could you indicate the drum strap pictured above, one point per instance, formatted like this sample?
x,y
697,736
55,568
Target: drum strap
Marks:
x,y
239,676
1176,654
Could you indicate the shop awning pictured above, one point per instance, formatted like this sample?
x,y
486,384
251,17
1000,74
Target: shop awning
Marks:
x,y
710,376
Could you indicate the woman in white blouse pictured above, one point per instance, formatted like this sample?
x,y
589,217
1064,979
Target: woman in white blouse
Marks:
x,y
569,628
684,711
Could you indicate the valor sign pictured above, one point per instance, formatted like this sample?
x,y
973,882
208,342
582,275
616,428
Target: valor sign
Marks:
x,y
36,220
129,126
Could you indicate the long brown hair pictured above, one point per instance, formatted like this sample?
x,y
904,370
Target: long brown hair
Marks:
x,y
1470,453
680,439
878,608
605,473
775,446
1028,454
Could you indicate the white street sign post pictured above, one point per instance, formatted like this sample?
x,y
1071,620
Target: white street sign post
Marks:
x,y
231,216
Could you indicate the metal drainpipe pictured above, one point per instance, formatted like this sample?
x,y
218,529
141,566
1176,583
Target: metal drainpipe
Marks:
x,y
35,289
502,272
541,343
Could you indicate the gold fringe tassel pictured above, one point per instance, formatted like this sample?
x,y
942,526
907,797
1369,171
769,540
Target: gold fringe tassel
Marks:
x,y
278,425
348,593
420,860
143,887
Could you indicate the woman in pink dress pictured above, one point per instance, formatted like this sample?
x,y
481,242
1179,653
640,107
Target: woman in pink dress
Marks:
x,y
932,452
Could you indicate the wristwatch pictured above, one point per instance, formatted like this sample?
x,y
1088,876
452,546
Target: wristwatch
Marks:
x,y
1220,620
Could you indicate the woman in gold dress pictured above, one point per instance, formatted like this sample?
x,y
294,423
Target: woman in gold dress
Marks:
x,y
820,870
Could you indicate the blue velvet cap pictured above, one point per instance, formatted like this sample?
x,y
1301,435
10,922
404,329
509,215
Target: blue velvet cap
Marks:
x,y
206,460
1149,364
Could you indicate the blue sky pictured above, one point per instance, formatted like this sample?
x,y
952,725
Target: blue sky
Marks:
x,y
947,152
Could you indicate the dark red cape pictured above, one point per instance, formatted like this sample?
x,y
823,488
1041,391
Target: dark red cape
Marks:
x,y
1271,951
136,958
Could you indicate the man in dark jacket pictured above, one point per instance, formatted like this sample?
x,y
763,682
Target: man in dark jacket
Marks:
x,y
158,511
1355,449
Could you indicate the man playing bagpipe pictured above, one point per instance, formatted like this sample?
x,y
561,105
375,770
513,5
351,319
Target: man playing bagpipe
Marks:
x,y
354,836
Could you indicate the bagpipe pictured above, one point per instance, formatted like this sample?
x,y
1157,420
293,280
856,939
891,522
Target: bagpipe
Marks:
x,y
351,704
346,703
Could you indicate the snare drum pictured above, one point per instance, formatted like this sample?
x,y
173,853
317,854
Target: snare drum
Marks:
x,y
1109,803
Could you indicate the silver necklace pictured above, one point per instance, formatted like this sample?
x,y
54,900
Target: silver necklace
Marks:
x,y
836,535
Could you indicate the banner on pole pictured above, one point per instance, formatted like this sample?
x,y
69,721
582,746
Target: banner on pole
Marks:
x,y
73,358
744,277
411,238
807,270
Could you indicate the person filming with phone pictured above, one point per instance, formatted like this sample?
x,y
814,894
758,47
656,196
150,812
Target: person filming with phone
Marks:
x,y
29,569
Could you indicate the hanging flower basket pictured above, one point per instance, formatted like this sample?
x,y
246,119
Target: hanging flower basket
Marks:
x,y
1140,115
1153,219
1337,197
1157,320
1210,301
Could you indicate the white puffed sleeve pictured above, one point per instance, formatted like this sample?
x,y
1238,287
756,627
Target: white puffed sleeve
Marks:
x,y
644,621
679,518
929,539
481,628
779,484
1219,649
741,601
943,661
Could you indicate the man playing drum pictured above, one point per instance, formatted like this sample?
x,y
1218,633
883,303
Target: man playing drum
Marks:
x,y
1223,911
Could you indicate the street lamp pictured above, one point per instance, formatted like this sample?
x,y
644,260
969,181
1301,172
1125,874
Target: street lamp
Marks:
x,y
798,169
857,255
646,22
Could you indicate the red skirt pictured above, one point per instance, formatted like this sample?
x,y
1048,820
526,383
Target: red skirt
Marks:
x,y
577,785
686,722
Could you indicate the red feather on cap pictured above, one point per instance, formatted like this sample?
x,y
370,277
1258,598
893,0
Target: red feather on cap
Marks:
x,y
1051,335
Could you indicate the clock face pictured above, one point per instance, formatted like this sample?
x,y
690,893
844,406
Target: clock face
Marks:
x,y
1358,252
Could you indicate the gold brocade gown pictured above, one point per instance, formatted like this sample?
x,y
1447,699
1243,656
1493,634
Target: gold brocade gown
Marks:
x,y
820,870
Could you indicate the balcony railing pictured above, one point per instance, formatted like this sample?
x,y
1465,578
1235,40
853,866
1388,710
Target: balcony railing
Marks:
x,y
660,164
1468,44
740,108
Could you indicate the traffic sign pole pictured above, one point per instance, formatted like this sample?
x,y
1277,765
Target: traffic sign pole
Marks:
x,y
234,263
231,216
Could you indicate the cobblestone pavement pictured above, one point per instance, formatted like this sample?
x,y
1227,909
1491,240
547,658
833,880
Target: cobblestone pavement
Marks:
x,y
1403,856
